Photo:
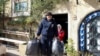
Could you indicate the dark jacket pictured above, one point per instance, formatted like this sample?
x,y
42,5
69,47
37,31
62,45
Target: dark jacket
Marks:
x,y
47,28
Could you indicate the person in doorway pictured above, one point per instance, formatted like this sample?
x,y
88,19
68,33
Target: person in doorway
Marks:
x,y
48,30
61,33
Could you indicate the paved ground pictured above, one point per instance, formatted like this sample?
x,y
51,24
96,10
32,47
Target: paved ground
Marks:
x,y
13,51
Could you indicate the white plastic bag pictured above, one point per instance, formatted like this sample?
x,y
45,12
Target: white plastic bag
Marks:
x,y
54,46
57,47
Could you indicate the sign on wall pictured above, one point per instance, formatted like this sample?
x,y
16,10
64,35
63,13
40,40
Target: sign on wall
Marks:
x,y
89,33
21,8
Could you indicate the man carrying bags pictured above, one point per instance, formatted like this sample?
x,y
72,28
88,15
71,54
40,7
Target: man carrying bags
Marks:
x,y
48,30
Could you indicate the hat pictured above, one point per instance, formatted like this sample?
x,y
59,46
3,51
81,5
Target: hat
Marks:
x,y
49,14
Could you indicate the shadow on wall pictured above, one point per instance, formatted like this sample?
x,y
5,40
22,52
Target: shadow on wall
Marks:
x,y
93,3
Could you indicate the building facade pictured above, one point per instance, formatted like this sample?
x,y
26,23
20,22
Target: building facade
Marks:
x,y
83,24
81,21
86,13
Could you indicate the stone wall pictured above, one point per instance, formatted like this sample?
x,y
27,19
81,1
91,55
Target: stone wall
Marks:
x,y
81,10
8,8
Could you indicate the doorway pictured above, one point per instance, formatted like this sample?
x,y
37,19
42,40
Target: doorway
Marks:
x,y
63,20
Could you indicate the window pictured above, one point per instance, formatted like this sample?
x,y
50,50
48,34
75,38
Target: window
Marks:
x,y
89,33
93,35
21,6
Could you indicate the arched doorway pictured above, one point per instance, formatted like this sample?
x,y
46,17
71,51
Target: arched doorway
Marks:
x,y
89,33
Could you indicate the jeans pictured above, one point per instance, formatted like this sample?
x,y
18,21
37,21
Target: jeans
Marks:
x,y
46,45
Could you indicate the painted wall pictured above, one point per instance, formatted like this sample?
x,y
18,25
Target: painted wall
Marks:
x,y
77,14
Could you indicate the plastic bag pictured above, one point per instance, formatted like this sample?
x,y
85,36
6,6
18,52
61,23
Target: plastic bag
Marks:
x,y
32,47
57,47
